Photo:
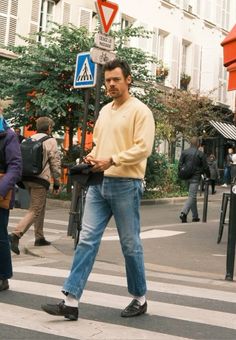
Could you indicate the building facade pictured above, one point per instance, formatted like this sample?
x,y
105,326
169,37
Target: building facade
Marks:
x,y
186,34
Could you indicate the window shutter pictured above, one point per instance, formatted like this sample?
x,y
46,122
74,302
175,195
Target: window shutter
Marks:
x,y
35,10
4,6
218,12
3,29
14,7
155,41
198,7
12,31
175,61
34,24
66,13
143,42
85,18
196,66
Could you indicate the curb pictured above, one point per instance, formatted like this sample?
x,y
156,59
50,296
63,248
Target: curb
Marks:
x,y
56,203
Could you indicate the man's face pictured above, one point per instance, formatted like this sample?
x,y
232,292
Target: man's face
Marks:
x,y
116,84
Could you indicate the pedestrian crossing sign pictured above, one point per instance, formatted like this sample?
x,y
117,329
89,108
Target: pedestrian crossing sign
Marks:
x,y
85,71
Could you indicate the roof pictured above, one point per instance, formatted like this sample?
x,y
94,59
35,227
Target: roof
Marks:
x,y
225,129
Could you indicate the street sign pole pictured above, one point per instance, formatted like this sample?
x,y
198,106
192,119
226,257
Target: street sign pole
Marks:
x,y
98,91
107,11
231,230
85,121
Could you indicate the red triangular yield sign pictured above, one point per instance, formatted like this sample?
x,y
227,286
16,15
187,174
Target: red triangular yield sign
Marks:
x,y
107,12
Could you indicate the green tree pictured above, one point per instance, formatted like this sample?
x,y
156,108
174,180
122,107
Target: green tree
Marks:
x,y
40,81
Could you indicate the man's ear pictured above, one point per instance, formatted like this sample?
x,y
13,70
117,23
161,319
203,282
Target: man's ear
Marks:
x,y
129,79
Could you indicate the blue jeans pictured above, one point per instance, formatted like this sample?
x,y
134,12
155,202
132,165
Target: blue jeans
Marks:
x,y
5,253
227,174
119,197
191,203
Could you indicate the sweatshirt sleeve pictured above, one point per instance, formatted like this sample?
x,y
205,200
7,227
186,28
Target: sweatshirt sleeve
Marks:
x,y
55,162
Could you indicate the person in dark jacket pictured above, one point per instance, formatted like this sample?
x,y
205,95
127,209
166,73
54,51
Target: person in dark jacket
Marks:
x,y
215,174
193,154
10,169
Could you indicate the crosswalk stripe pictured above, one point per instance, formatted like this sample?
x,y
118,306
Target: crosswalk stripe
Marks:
x,y
46,230
46,220
83,329
199,315
169,288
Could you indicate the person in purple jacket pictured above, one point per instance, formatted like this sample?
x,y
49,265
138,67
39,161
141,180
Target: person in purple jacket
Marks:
x,y
11,167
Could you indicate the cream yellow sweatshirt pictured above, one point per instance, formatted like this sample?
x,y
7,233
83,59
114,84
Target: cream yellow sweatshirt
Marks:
x,y
126,135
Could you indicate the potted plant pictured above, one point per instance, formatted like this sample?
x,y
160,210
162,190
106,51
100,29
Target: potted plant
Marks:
x,y
184,81
162,72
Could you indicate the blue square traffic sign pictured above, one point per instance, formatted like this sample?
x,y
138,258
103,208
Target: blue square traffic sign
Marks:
x,y
85,71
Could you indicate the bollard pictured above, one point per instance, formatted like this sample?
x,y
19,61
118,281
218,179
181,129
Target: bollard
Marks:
x,y
205,203
232,229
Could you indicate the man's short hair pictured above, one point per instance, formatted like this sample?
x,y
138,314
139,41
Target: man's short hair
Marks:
x,y
195,141
111,65
43,124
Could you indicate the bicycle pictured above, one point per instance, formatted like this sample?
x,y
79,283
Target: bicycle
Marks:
x,y
81,178
76,211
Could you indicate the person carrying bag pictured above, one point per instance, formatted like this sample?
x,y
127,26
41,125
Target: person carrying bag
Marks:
x,y
10,173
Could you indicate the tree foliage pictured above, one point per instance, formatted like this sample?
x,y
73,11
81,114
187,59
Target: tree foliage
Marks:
x,y
40,82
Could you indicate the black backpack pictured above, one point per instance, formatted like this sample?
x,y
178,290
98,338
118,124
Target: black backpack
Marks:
x,y
32,156
187,169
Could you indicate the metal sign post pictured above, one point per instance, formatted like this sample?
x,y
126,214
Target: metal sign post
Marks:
x,y
205,204
85,121
104,44
232,230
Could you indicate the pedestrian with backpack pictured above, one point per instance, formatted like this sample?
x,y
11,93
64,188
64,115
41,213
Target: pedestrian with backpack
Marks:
x,y
10,173
195,161
42,164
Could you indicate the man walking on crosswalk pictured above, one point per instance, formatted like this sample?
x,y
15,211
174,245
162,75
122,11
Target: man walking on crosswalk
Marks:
x,y
123,138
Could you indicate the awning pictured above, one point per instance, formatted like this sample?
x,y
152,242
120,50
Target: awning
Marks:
x,y
226,130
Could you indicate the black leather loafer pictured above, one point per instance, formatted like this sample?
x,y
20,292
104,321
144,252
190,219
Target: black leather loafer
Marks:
x,y
14,243
183,217
4,285
197,219
134,309
61,309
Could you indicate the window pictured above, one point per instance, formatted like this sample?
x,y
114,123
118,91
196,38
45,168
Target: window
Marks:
x,y
126,22
185,56
46,15
85,18
222,85
209,10
8,21
225,14
161,45
66,13
188,6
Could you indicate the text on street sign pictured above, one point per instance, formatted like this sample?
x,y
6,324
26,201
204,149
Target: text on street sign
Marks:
x,y
104,41
100,56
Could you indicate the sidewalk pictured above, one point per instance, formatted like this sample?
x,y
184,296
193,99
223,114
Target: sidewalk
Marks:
x,y
192,251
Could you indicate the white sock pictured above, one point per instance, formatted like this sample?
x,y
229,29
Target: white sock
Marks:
x,y
71,301
141,299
